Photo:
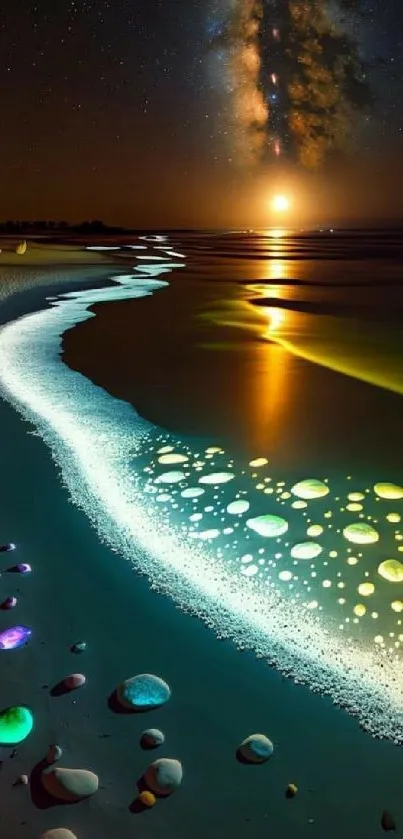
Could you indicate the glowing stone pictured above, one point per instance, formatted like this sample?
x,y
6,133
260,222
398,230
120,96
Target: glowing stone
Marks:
x,y
259,461
269,526
238,507
192,492
257,748
366,589
299,505
15,725
213,450
392,492
169,459
208,534
143,692
354,507
285,576
164,776
163,498
356,496
310,489
217,478
394,518
14,637
165,450
360,533
306,550
397,605
360,610
314,530
249,570
151,738
391,570
171,477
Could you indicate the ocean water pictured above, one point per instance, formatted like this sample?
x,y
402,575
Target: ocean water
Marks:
x,y
250,464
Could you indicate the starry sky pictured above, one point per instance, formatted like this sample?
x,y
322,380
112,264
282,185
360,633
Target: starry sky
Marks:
x,y
191,112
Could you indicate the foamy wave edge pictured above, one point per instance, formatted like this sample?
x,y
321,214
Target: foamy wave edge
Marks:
x,y
93,436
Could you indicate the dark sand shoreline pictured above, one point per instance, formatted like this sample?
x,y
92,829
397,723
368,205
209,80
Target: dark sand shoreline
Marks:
x,y
80,590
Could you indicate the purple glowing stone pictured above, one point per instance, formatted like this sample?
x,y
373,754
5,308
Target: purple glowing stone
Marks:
x,y
6,548
14,637
9,603
23,568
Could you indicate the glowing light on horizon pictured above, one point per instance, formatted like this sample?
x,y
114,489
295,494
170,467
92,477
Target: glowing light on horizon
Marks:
x,y
280,204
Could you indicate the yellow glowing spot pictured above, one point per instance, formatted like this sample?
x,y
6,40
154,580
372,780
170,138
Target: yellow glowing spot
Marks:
x,y
168,459
285,576
326,583
390,491
354,508
356,496
360,533
366,589
259,486
313,604
397,605
268,491
359,610
165,450
352,560
298,505
328,515
394,518
342,601
374,615
306,550
309,489
333,554
285,495
391,570
260,461
213,450
378,639
280,203
314,529
398,537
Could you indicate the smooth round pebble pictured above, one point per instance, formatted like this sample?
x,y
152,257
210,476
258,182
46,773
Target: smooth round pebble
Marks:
x,y
147,798
53,753
151,738
164,776
58,833
257,748
15,725
69,784
143,692
76,680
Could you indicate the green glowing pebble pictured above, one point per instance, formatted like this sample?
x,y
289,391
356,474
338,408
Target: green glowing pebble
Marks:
x,y
15,725
354,507
310,489
238,507
390,491
217,478
259,461
360,610
192,492
299,505
306,550
169,459
165,450
269,526
214,450
397,605
314,530
394,518
391,570
360,533
171,477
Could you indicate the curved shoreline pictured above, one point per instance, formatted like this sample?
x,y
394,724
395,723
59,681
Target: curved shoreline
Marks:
x,y
75,419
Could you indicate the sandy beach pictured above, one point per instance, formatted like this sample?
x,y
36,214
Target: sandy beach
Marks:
x,y
80,590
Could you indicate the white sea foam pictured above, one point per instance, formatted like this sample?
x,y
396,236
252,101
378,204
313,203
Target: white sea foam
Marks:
x,y
96,439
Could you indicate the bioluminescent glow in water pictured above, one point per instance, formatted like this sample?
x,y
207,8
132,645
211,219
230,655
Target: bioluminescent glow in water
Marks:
x,y
286,568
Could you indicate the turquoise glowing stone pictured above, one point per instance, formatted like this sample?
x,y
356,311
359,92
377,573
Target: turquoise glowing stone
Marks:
x,y
143,692
15,725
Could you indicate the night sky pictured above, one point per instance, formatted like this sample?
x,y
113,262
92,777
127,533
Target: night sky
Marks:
x,y
191,112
